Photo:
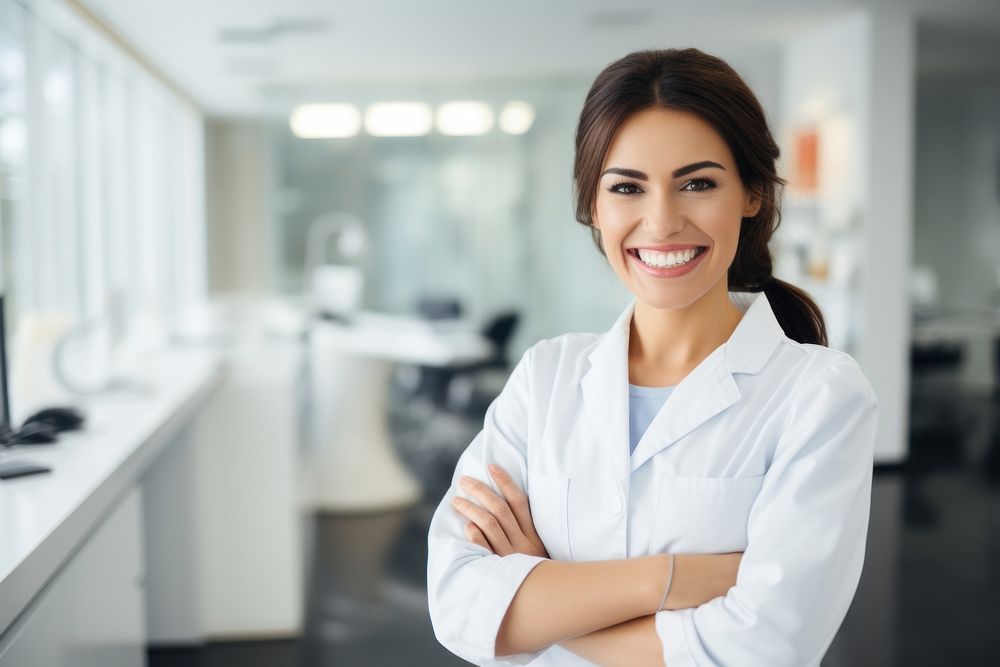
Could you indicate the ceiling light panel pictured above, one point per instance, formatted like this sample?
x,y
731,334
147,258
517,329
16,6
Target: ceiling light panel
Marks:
x,y
398,119
277,28
517,117
325,121
462,119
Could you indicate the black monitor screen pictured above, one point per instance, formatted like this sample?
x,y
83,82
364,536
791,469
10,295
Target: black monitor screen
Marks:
x,y
4,397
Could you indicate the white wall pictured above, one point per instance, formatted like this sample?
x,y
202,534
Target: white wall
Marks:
x,y
957,211
858,70
238,220
885,353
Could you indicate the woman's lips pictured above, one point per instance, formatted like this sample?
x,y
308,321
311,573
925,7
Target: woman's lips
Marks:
x,y
668,271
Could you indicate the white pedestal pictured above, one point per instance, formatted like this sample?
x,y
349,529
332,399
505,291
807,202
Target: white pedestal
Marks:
x,y
351,464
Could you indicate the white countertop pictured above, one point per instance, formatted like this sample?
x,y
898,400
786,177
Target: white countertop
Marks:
x,y
44,518
407,340
956,326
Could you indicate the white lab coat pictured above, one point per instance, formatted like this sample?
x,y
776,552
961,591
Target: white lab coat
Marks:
x,y
765,447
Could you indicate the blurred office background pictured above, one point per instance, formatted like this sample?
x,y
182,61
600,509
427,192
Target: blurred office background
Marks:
x,y
232,192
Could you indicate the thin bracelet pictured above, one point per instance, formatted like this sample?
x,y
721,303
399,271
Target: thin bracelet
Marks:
x,y
670,579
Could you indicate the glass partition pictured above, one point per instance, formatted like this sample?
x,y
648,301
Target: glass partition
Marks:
x,y
13,145
100,218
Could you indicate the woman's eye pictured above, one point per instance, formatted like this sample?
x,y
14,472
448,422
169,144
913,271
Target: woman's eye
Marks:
x,y
625,188
698,185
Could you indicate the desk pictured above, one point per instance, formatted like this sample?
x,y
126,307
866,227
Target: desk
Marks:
x,y
351,464
975,330
46,519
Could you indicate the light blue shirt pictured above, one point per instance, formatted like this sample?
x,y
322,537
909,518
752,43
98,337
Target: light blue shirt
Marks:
x,y
643,404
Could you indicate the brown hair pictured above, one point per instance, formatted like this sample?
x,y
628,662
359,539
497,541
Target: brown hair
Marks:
x,y
693,81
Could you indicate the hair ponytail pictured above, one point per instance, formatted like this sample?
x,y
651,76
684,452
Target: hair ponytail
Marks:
x,y
799,316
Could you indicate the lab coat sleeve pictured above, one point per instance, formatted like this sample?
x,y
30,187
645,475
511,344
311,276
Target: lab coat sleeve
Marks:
x,y
806,538
470,588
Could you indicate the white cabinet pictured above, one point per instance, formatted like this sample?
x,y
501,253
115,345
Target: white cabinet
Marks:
x,y
92,612
242,473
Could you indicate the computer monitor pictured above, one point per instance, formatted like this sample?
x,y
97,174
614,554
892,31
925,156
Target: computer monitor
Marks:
x,y
5,425
9,433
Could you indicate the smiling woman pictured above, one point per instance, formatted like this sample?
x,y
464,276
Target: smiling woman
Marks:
x,y
706,110
693,486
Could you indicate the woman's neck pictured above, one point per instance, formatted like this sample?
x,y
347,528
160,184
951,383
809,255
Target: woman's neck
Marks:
x,y
665,345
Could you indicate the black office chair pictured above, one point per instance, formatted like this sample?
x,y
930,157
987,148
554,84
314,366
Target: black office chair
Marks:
x,y
464,393
431,383
439,308
934,369
444,410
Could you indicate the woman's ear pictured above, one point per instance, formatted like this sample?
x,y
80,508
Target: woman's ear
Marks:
x,y
752,207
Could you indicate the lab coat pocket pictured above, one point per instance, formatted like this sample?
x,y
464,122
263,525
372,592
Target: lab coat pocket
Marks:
x,y
703,514
548,497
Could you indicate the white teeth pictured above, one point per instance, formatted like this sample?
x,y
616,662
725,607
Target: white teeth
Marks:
x,y
666,259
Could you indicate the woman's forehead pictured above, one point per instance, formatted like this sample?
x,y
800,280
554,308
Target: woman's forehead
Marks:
x,y
661,139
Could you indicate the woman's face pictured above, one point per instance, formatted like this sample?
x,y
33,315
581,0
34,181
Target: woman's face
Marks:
x,y
669,183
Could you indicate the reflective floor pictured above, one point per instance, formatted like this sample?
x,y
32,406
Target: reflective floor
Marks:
x,y
928,595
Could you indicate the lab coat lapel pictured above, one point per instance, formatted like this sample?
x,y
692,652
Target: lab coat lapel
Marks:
x,y
605,393
705,392
710,388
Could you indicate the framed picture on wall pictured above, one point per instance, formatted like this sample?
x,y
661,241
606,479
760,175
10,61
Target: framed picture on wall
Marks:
x,y
805,160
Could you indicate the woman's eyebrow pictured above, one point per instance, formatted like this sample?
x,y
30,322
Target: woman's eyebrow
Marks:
x,y
681,171
630,173
695,166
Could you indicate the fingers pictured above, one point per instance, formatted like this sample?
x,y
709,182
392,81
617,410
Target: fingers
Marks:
x,y
474,535
494,504
487,523
516,499
503,522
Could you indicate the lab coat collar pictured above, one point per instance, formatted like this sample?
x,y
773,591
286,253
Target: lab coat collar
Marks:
x,y
703,393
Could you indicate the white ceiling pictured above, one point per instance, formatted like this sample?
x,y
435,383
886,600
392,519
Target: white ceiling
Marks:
x,y
280,52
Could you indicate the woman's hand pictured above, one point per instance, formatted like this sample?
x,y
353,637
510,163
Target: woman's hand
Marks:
x,y
501,524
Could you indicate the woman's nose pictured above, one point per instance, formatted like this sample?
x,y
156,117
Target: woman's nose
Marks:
x,y
662,217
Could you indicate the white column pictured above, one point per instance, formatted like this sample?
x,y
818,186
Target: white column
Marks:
x,y
853,79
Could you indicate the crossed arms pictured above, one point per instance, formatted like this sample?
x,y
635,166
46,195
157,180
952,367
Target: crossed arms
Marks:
x,y
492,591
601,610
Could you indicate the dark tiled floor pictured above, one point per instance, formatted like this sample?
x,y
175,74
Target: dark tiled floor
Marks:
x,y
928,595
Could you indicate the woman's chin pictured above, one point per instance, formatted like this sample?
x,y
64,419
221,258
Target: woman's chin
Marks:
x,y
670,297
677,299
